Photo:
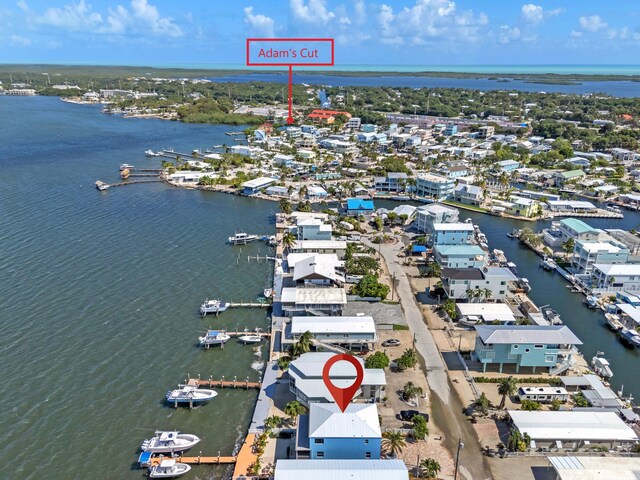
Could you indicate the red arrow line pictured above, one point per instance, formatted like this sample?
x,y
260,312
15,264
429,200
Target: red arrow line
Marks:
x,y
290,117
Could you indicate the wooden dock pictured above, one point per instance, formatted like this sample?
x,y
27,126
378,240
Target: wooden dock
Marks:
x,y
250,305
199,460
199,382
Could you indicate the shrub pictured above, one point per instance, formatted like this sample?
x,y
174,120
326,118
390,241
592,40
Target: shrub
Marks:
x,y
377,360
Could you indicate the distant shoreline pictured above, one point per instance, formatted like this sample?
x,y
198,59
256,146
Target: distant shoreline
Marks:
x,y
484,72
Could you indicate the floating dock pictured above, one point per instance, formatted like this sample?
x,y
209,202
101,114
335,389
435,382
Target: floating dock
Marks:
x,y
198,382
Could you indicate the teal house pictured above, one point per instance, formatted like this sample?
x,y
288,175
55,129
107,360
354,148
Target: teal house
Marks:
x,y
459,256
532,346
358,206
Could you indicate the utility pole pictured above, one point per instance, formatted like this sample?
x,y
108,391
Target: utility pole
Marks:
x,y
460,447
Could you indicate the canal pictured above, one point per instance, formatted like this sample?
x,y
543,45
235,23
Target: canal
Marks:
x,y
550,288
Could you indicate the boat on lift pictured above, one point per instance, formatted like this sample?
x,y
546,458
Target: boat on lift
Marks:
x,y
601,366
190,395
242,238
169,442
251,338
213,306
213,337
126,166
630,337
267,292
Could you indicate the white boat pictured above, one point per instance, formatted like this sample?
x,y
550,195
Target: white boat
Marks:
x,y
242,238
169,442
102,186
151,153
126,166
272,241
190,395
213,337
168,469
601,366
250,339
551,315
592,302
548,263
213,306
267,292
613,322
630,337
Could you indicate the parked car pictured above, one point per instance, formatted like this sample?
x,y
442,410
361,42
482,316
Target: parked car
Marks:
x,y
392,342
407,415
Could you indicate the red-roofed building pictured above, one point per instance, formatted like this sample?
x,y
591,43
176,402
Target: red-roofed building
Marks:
x,y
328,116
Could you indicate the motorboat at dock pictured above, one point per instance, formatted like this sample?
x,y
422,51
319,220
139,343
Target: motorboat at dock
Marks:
x,y
250,338
613,322
601,366
551,315
169,442
242,238
592,302
189,395
213,337
630,337
548,263
102,186
168,469
213,306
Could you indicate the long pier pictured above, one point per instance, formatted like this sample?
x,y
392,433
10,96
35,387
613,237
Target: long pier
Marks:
x,y
200,382
199,460
132,182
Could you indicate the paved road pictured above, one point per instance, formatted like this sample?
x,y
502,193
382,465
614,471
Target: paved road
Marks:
x,y
472,465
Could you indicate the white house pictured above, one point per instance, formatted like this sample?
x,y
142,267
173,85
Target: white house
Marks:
x,y
374,469
346,331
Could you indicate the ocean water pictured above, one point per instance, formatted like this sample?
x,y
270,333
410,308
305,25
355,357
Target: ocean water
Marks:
x,y
100,293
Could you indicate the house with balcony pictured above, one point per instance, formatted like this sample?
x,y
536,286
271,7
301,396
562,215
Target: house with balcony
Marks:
x,y
354,333
307,384
452,234
313,229
459,256
616,277
468,194
338,247
523,207
533,346
563,178
577,230
462,283
316,271
429,215
434,187
328,433
299,300
393,182
586,254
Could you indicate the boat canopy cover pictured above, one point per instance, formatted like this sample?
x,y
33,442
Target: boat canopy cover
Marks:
x,y
168,435
213,332
144,458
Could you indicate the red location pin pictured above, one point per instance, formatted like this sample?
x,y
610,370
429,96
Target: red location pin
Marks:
x,y
343,396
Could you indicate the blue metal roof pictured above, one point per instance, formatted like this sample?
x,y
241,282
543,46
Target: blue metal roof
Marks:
x,y
419,249
359,204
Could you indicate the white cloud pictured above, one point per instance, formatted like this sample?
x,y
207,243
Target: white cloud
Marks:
x,y
507,34
428,20
532,13
142,18
361,12
19,41
22,5
592,23
315,11
575,34
261,24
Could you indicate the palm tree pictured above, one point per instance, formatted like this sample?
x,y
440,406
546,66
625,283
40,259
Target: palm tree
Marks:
x,y
430,467
506,387
288,240
393,442
285,206
294,409
487,293
305,341
272,422
412,391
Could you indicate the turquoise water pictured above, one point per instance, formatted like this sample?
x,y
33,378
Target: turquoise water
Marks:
x,y
98,313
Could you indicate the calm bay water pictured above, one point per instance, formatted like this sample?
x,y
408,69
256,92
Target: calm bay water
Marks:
x,y
98,316
615,88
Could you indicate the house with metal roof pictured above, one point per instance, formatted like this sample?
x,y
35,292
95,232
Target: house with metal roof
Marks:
x,y
487,312
348,331
452,234
393,182
333,434
358,206
577,230
316,271
338,247
313,229
525,346
573,429
374,469
465,283
606,251
306,383
612,277
459,256
595,468
468,194
563,177
300,301
429,215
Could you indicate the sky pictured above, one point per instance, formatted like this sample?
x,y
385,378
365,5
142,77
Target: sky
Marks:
x,y
391,32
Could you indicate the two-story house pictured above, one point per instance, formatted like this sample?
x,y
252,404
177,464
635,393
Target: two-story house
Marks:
x,y
491,283
354,333
358,206
459,256
313,229
614,278
434,187
524,345
452,234
393,182
428,215
586,254
468,194
307,384
332,434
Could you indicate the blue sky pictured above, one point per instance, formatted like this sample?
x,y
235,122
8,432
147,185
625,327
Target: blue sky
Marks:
x,y
391,32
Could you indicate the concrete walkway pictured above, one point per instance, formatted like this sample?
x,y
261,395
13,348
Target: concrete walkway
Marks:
x,y
472,465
